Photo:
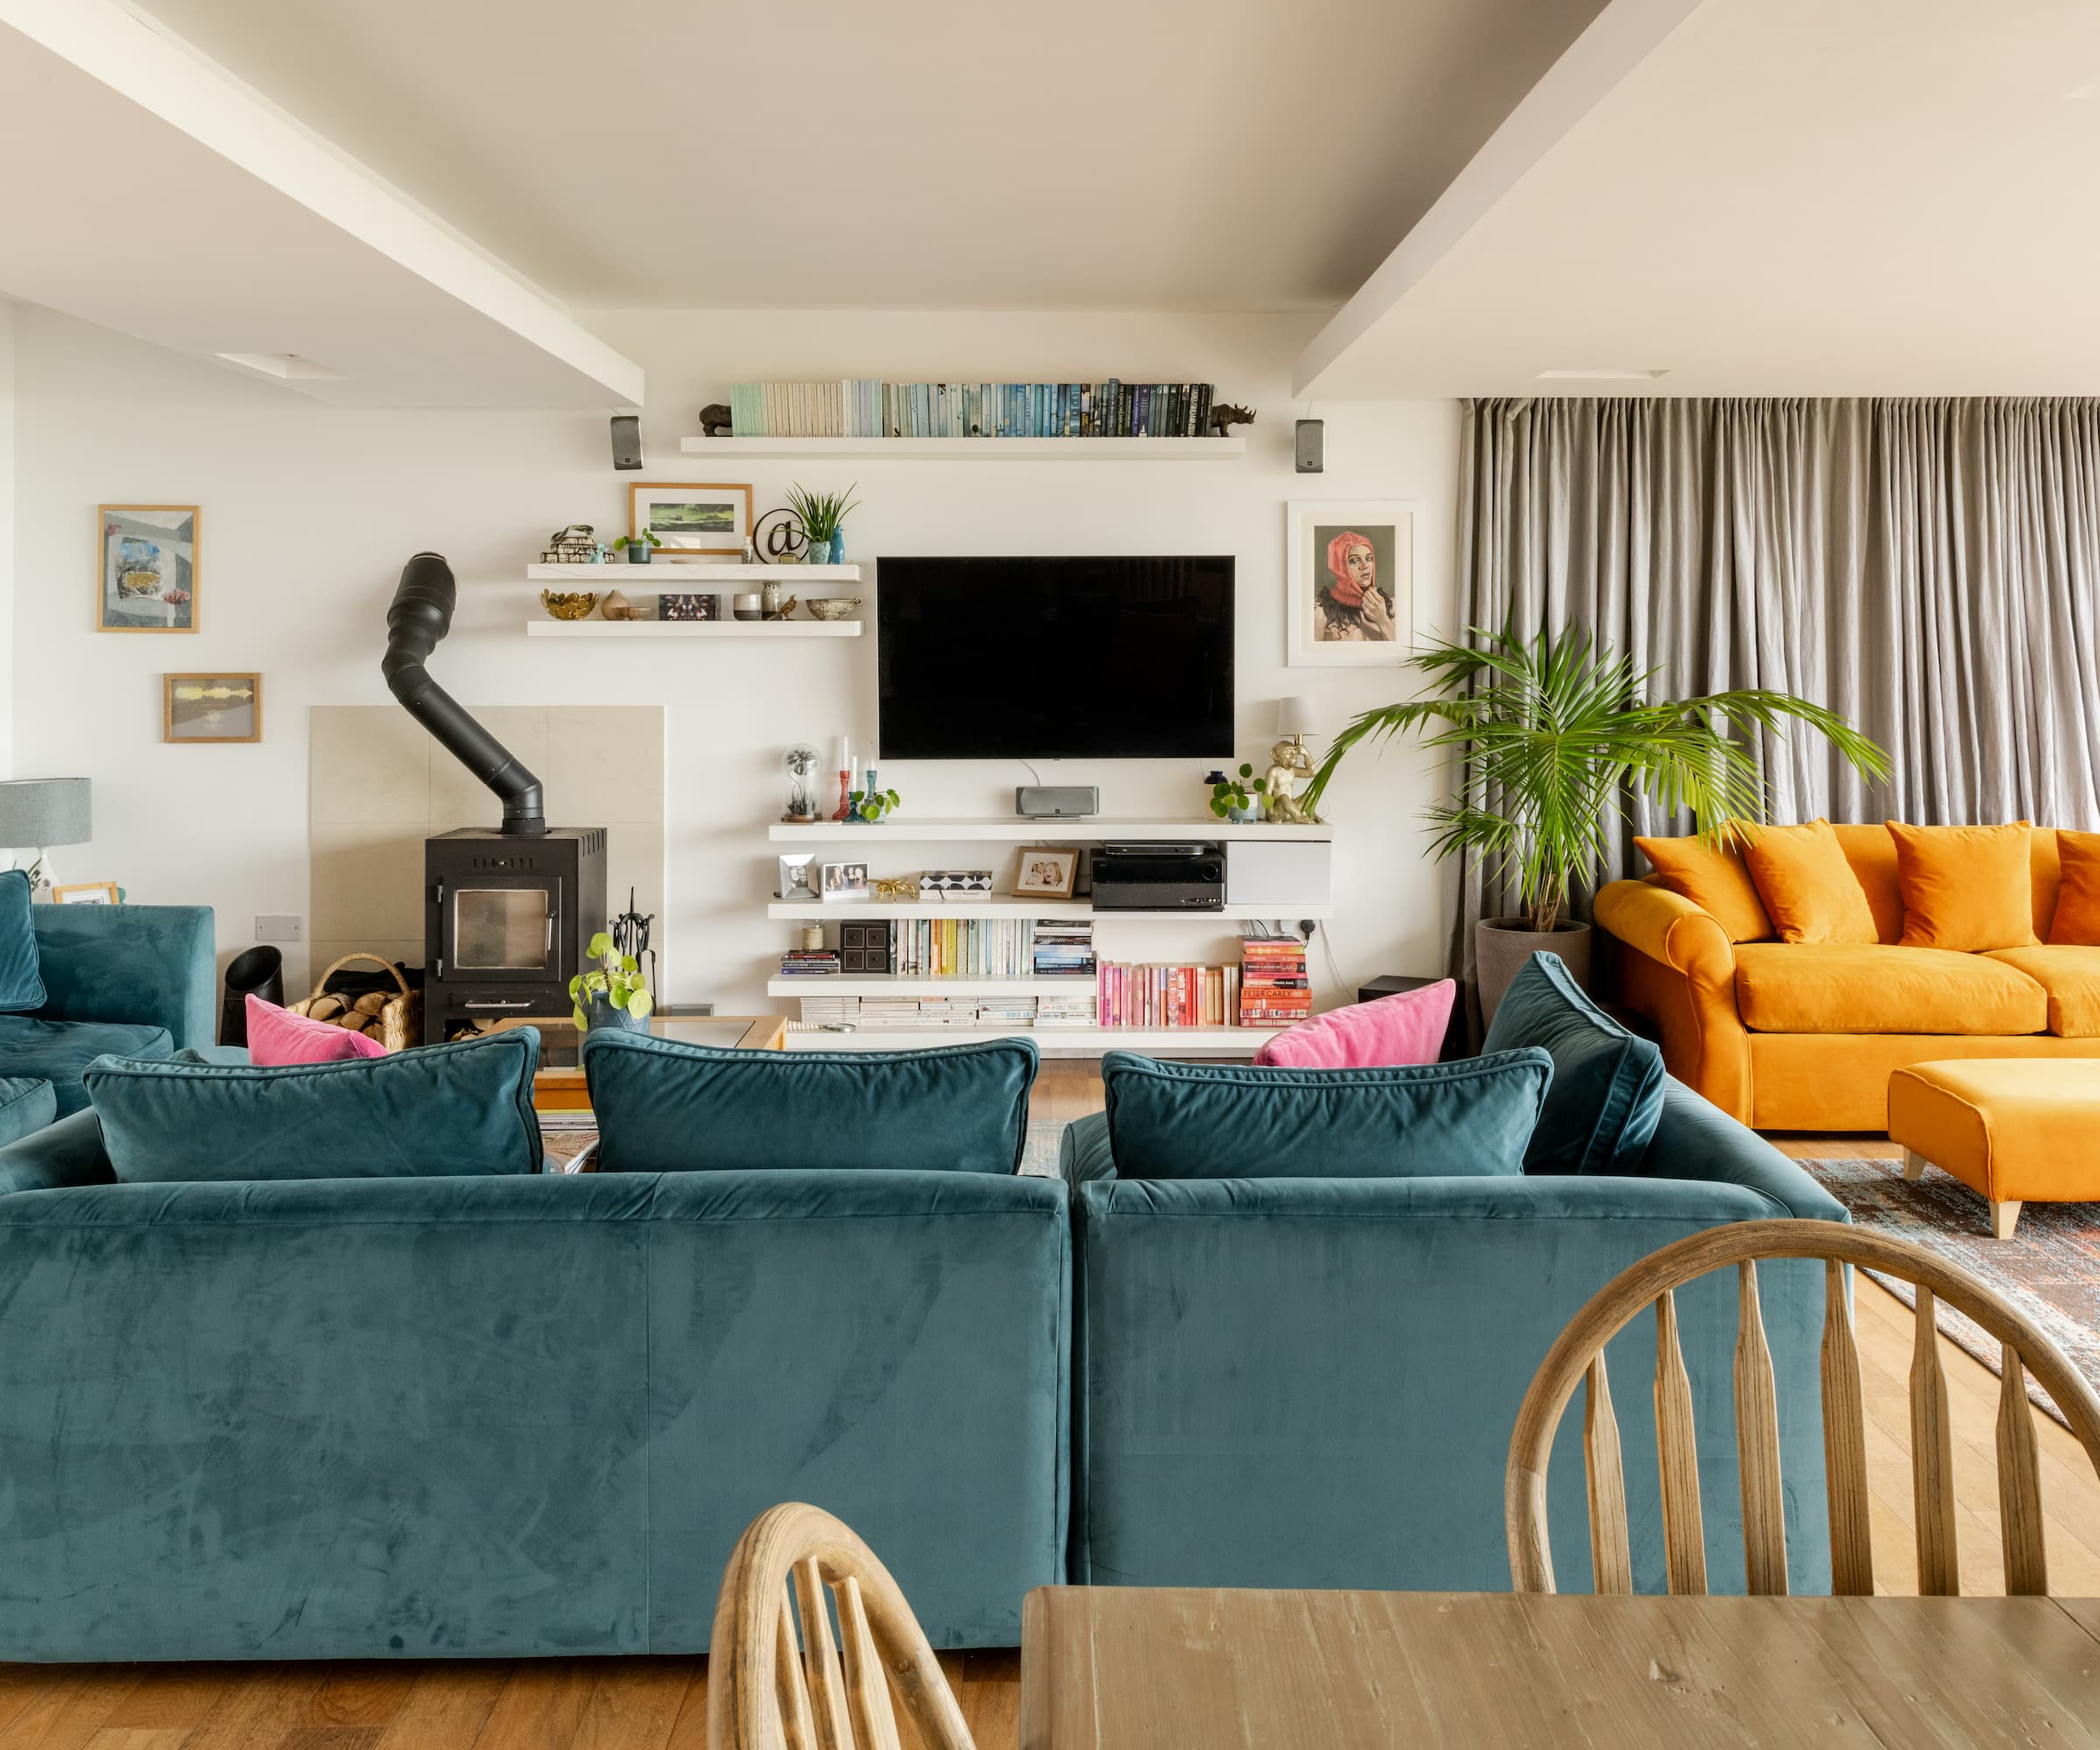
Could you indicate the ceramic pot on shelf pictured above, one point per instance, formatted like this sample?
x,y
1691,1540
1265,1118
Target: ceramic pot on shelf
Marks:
x,y
601,1013
1501,946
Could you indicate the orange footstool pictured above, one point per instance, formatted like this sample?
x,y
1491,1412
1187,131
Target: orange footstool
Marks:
x,y
2013,1128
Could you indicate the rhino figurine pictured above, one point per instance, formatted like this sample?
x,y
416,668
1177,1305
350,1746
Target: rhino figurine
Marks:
x,y
1222,419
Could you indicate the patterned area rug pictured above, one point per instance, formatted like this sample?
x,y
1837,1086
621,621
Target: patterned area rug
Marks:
x,y
2049,1269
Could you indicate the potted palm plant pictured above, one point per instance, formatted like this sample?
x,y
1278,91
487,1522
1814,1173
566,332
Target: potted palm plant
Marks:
x,y
1551,737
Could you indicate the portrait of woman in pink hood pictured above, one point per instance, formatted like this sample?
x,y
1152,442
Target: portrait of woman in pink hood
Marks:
x,y
1353,606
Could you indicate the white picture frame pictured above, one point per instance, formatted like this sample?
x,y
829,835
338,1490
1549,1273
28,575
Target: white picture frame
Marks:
x,y
1387,553
842,883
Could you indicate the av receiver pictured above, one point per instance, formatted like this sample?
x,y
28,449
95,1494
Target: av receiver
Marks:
x,y
1158,878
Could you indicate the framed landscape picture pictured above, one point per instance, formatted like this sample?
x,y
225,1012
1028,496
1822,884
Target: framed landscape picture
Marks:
x,y
1351,584
146,568
211,708
690,521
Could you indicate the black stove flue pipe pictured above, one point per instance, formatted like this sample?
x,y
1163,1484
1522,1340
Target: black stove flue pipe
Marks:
x,y
420,617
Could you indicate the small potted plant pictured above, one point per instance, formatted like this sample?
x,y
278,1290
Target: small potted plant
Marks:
x,y
822,517
614,993
872,806
640,548
1233,798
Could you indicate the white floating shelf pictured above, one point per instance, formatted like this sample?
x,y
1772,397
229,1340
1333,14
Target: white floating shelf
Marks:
x,y
1052,1041
913,830
940,984
997,907
692,628
678,574
982,449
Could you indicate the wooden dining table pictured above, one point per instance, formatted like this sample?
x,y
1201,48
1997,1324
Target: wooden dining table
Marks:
x,y
1110,1668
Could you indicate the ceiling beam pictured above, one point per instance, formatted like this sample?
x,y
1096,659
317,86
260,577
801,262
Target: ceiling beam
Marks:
x,y
1621,37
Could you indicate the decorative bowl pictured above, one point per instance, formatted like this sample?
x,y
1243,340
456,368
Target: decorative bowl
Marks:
x,y
833,607
569,604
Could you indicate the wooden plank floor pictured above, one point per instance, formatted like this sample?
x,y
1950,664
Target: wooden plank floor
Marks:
x,y
661,1703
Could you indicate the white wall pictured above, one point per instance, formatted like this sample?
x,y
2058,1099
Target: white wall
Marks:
x,y
309,512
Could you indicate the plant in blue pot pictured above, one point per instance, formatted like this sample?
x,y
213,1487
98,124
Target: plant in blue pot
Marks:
x,y
614,993
640,548
1233,799
822,517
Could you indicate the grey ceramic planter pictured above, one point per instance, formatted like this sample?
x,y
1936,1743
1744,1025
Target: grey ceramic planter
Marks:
x,y
1501,946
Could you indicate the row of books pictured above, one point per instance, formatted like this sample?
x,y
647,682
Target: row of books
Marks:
x,y
855,406
964,948
1062,949
1167,996
904,1014
1274,985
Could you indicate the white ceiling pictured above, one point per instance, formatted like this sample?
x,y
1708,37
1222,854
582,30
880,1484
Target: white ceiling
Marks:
x,y
1786,197
911,154
145,192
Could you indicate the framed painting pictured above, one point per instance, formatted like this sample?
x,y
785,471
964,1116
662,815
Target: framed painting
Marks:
x,y
690,521
146,561
1351,588
211,708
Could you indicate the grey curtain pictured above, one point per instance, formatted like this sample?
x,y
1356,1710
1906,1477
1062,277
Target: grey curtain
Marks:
x,y
1931,569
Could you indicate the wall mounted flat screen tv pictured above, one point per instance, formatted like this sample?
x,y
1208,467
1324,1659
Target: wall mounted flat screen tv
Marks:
x,y
1117,658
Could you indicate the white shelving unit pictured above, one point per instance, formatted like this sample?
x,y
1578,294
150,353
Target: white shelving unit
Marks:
x,y
982,449
1094,830
692,628
1006,906
943,984
1051,1042
690,574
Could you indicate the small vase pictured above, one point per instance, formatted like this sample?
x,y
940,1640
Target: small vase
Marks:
x,y
835,547
769,600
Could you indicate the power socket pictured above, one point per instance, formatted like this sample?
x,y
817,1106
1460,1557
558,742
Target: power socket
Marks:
x,y
280,927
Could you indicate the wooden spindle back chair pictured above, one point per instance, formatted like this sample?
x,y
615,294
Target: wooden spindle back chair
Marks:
x,y
1578,1356
767,1691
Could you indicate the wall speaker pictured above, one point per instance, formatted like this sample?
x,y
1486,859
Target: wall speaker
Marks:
x,y
1056,802
1312,446
626,441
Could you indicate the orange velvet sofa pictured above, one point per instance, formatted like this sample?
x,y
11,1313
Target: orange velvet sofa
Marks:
x,y
1804,1036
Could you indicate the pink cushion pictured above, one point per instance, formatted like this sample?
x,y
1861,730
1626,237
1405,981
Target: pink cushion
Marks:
x,y
1408,1028
276,1037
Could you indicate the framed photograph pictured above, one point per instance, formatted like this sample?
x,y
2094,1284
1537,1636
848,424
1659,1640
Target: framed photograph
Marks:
x,y
794,875
690,522
1352,584
211,708
1046,873
145,557
86,893
845,882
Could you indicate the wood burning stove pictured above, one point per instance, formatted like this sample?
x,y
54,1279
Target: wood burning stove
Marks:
x,y
507,912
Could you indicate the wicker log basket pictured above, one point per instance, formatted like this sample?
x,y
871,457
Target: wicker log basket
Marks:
x,y
393,1019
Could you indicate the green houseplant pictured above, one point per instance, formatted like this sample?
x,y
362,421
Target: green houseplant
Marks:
x,y
822,517
1551,737
613,993
640,548
1233,798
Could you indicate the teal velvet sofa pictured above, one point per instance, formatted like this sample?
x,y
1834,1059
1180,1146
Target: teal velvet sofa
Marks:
x,y
501,1417
1312,1383
139,981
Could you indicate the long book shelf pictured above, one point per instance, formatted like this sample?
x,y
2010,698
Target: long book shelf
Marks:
x,y
1051,1042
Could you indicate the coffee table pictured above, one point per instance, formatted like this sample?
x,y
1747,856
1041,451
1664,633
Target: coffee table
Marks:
x,y
559,1086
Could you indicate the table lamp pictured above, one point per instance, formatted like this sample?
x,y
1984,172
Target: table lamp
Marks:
x,y
38,812
1296,719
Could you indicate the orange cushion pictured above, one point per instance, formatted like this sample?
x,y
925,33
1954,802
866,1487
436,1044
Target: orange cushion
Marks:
x,y
1715,880
1809,889
1871,987
2071,977
1967,888
1872,854
2078,893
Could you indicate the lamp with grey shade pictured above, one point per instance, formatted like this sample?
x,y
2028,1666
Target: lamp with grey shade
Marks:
x,y
39,812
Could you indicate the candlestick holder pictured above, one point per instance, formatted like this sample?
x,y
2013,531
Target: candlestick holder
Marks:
x,y
845,806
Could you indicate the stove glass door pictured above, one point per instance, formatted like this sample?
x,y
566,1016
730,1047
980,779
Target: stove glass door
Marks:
x,y
502,929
